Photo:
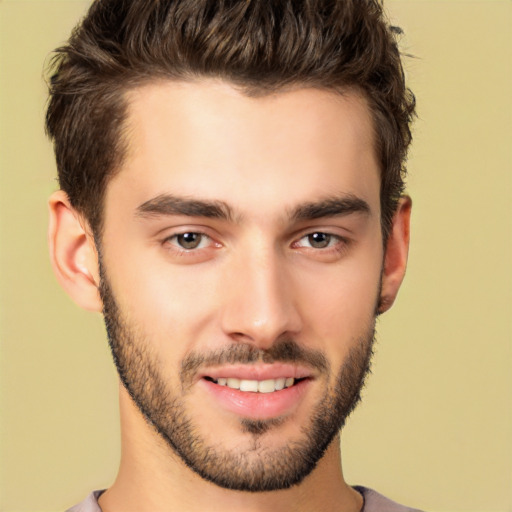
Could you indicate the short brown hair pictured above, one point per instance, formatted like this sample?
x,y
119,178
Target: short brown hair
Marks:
x,y
259,45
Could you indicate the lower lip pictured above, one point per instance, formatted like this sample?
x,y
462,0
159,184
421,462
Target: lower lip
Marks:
x,y
258,406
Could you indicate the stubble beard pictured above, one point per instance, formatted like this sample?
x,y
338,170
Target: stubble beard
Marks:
x,y
259,468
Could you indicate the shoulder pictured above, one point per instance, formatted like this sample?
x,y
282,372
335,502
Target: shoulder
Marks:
x,y
90,504
375,502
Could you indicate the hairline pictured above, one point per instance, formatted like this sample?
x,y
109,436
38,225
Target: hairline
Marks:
x,y
249,90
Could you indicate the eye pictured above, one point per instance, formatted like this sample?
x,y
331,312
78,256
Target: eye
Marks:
x,y
190,240
318,240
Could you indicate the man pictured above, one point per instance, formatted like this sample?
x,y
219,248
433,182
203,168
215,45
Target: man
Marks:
x,y
231,199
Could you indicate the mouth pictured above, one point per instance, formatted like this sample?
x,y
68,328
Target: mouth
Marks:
x,y
257,391
256,386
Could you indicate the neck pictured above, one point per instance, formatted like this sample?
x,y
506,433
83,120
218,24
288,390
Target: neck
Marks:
x,y
153,478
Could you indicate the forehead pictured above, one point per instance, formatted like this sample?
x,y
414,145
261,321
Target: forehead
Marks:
x,y
210,140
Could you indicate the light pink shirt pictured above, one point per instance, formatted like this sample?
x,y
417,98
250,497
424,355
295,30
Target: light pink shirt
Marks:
x,y
373,502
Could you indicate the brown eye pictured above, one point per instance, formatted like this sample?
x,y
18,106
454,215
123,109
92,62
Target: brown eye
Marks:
x,y
319,240
189,240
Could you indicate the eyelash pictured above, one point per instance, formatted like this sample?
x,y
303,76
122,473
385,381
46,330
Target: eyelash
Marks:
x,y
330,236
185,250
335,244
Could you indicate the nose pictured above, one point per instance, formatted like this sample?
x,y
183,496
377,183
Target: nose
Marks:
x,y
260,304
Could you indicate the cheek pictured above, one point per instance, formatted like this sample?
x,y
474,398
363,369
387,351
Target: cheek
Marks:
x,y
167,304
342,311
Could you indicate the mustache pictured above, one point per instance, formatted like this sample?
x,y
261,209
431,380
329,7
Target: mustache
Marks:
x,y
284,351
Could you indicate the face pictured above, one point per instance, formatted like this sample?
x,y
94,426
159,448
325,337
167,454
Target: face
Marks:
x,y
241,261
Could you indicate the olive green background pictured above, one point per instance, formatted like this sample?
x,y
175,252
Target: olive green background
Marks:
x,y
435,427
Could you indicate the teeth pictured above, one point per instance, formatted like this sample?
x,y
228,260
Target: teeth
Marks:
x,y
266,386
249,385
257,386
233,383
280,383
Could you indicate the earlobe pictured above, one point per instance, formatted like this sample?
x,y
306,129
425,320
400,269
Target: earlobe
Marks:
x,y
395,259
73,253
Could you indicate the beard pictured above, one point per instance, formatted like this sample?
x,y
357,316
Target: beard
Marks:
x,y
258,468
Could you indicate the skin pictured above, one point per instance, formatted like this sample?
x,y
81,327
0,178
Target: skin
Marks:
x,y
255,278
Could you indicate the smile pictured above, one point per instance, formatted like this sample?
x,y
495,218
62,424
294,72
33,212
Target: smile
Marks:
x,y
253,396
255,386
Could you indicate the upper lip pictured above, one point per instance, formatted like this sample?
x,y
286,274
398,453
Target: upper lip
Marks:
x,y
257,371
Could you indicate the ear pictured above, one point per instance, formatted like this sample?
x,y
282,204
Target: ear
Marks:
x,y
395,258
73,253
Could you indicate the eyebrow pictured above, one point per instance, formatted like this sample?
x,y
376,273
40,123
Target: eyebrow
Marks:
x,y
167,204
331,207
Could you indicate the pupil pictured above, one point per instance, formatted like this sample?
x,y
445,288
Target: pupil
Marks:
x,y
319,240
189,240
